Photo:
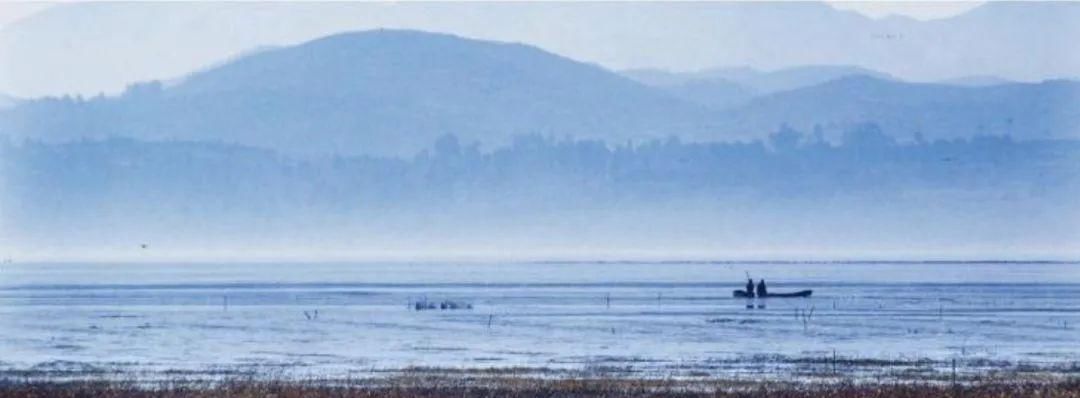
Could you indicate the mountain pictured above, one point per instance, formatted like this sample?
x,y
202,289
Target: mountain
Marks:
x,y
789,78
659,77
936,111
977,81
761,82
838,98
386,92
720,88
115,43
393,92
220,63
715,93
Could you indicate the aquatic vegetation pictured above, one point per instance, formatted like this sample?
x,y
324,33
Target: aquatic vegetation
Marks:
x,y
419,385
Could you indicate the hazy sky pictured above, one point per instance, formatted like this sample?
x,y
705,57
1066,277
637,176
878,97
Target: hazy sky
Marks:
x,y
14,10
923,10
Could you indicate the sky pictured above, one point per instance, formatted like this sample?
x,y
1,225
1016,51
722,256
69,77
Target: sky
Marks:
x,y
923,10
15,10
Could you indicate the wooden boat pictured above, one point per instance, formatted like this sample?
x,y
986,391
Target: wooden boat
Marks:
x,y
801,293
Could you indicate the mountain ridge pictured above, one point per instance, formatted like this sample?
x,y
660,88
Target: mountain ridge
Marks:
x,y
724,87
390,92
1043,110
145,41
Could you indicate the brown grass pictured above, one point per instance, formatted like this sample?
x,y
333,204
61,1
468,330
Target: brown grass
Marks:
x,y
467,387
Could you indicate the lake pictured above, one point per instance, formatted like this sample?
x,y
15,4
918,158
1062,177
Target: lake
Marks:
x,y
655,319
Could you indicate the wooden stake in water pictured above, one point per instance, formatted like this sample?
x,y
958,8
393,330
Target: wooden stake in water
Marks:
x,y
954,372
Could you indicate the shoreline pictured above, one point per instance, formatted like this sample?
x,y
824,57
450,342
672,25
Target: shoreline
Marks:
x,y
423,384
747,369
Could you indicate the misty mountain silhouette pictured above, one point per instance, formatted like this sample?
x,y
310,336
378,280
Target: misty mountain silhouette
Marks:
x,y
936,111
87,47
393,92
378,92
757,81
720,88
977,81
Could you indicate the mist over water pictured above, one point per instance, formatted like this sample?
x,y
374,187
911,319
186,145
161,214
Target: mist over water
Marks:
x,y
790,197
654,319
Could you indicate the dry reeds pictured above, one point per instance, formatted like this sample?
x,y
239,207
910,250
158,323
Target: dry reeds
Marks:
x,y
424,387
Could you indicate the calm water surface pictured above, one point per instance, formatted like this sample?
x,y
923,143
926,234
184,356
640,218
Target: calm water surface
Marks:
x,y
654,318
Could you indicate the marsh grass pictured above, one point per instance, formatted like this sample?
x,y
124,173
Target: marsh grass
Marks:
x,y
422,386
825,376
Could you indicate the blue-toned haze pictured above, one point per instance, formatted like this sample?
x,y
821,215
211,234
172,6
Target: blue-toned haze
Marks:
x,y
114,44
541,130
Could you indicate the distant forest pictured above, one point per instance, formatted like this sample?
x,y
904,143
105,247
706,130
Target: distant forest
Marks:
x,y
793,188
197,174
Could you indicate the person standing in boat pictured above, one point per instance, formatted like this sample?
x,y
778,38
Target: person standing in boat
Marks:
x,y
749,287
761,292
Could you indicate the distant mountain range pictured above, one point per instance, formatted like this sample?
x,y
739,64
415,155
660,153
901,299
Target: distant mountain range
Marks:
x,y
931,111
89,47
725,87
375,92
977,81
392,92
759,82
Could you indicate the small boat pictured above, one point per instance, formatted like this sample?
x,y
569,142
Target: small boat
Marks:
x,y
801,293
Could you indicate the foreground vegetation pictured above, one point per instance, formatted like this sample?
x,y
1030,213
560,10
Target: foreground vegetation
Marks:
x,y
465,386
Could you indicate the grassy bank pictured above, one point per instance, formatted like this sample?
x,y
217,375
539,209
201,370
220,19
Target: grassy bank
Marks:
x,y
423,386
